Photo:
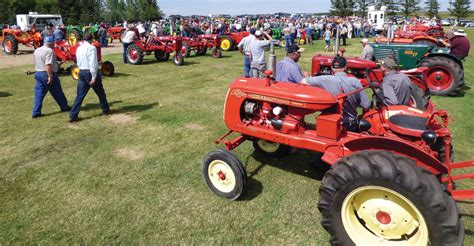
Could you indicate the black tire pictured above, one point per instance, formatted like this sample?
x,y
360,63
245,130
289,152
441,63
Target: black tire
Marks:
x,y
439,62
232,165
10,45
160,55
419,99
178,59
134,54
201,51
275,150
216,53
226,46
108,68
389,174
186,50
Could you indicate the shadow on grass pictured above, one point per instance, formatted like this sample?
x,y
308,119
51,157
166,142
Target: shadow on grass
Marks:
x,y
5,94
136,108
119,75
188,63
254,189
469,232
91,106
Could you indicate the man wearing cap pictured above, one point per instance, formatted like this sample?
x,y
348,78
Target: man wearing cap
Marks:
x,y
127,39
368,51
244,48
288,70
458,43
395,85
86,56
46,78
339,83
257,53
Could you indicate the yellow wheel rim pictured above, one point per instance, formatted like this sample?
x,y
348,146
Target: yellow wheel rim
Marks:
x,y
302,41
109,40
374,215
221,175
225,44
75,73
267,146
72,39
283,43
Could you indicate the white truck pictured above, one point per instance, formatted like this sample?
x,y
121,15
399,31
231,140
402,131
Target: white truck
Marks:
x,y
26,21
377,17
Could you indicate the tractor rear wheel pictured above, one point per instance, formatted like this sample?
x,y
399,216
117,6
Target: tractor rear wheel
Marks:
x,y
271,149
418,98
381,198
75,72
10,45
224,174
160,55
108,68
226,43
201,51
134,54
178,59
216,53
186,50
443,75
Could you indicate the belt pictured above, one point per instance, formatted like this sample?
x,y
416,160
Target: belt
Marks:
x,y
84,70
44,72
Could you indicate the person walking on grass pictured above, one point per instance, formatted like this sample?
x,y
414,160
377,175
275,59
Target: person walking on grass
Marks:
x,y
46,78
127,39
327,38
88,77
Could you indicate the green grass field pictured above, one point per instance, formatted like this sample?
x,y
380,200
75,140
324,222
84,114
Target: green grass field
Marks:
x,y
134,177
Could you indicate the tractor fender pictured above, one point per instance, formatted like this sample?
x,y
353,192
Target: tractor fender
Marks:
x,y
454,58
333,153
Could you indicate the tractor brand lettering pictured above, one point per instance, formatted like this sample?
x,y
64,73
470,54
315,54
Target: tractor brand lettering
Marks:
x,y
410,53
238,93
269,99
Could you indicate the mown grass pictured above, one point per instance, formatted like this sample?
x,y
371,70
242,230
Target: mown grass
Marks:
x,y
134,177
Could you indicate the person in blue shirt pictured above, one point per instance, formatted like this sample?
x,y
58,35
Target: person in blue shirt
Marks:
x,y
288,70
58,33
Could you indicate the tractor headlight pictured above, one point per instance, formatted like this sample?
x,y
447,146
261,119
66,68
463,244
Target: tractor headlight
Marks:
x,y
429,137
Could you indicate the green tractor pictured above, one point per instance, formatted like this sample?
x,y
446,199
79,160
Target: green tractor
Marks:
x,y
445,76
76,32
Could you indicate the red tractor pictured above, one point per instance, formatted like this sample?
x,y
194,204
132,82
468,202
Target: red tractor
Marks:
x,y
162,47
115,32
66,53
201,43
368,71
230,40
390,184
13,37
419,34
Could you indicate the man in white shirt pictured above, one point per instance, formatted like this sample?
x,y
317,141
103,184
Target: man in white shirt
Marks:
x,y
86,56
244,48
127,39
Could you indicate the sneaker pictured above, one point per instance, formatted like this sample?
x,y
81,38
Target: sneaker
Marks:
x,y
109,112
72,120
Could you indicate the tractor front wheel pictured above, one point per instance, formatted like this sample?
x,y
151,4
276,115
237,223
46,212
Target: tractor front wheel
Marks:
x,y
271,149
110,39
381,198
216,53
134,54
283,42
178,59
108,68
186,50
10,45
224,174
443,75
75,72
226,43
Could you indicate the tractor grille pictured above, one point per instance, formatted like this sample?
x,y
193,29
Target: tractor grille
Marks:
x,y
382,53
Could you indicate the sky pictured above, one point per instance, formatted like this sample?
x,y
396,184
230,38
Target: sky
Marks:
x,y
235,7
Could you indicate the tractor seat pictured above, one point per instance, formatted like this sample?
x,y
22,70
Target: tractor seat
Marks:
x,y
409,122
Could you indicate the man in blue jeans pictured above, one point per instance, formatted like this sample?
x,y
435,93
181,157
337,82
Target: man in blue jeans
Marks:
x,y
244,48
86,56
127,39
46,78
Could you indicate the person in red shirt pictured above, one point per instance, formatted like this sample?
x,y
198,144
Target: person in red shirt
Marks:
x,y
458,43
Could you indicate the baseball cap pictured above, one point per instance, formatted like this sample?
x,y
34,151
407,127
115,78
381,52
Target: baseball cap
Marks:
x,y
459,32
258,33
365,41
88,37
388,62
339,62
48,40
294,48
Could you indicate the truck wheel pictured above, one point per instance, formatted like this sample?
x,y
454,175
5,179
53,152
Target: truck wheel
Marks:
x,y
75,72
185,50
10,45
216,53
270,148
178,59
224,174
418,99
380,198
201,51
443,75
160,55
134,54
226,43
108,68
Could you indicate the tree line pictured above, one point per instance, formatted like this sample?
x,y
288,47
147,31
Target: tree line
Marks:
x,y
83,11
457,8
